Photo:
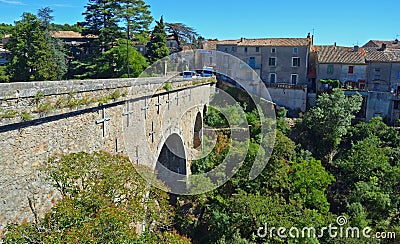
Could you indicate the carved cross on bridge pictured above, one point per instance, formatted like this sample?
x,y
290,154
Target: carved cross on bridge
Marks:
x,y
146,106
103,121
128,113
168,101
158,104
177,98
152,132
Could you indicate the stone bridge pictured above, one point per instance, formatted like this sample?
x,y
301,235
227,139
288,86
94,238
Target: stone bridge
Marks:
x,y
145,118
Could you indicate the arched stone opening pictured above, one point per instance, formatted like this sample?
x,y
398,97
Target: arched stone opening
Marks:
x,y
197,133
171,163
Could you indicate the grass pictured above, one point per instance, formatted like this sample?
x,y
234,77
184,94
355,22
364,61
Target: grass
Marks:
x,y
44,107
26,116
8,114
168,86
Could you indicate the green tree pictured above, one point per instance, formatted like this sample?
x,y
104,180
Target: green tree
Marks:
x,y
137,16
56,45
45,16
103,201
5,29
310,182
112,63
101,19
157,48
31,56
3,74
183,34
324,125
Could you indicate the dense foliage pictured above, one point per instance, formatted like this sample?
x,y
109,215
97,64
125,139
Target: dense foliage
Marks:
x,y
32,55
103,201
157,48
300,188
36,55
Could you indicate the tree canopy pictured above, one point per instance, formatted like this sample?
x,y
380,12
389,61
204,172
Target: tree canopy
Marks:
x,y
32,58
325,124
157,48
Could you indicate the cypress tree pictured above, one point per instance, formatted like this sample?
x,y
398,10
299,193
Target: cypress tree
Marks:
x,y
157,47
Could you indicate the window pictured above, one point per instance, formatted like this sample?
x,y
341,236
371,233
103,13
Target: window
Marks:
x,y
257,49
377,74
294,79
252,62
295,62
396,105
273,50
330,69
272,61
351,69
226,49
233,49
272,78
245,49
398,75
295,50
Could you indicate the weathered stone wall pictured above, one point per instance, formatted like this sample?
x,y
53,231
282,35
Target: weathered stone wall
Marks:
x,y
293,99
49,118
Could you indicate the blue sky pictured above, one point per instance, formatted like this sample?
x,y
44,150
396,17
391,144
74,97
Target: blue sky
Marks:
x,y
346,22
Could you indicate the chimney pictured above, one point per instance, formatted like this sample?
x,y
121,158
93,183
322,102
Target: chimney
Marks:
x,y
356,47
242,39
334,44
383,47
396,41
308,35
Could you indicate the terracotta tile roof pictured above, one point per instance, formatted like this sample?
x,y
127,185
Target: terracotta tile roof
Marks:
x,y
378,43
69,34
272,42
228,42
374,54
338,54
210,45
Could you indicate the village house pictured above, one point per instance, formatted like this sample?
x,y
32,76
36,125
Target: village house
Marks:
x,y
383,78
77,42
276,60
383,66
345,64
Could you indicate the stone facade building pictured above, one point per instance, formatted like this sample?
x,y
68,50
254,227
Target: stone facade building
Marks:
x,y
345,64
276,60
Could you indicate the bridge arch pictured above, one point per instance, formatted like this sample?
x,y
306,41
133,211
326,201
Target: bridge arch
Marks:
x,y
171,165
197,131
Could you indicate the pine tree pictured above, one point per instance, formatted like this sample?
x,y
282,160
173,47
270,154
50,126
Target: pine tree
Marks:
x,y
136,15
157,47
101,19
56,45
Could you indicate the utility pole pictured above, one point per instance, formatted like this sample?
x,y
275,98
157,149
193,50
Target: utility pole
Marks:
x,y
127,40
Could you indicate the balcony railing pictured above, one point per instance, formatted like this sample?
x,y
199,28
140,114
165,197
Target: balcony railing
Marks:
x,y
285,86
